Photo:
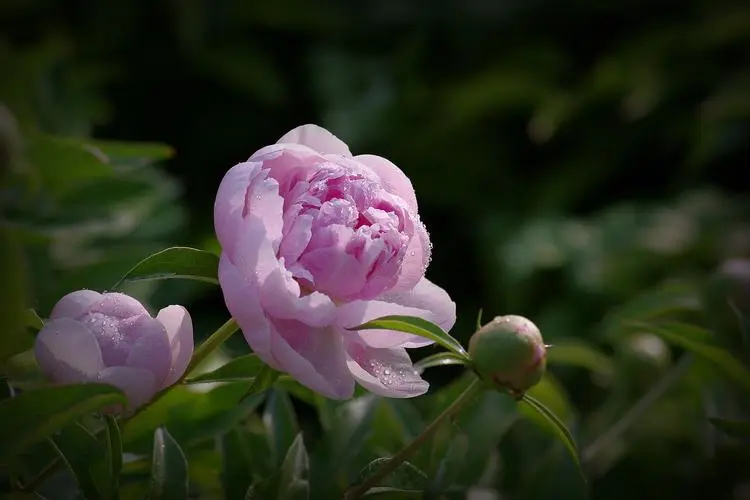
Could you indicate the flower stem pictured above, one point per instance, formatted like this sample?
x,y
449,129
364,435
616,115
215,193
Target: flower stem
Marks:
x,y
211,343
637,410
360,489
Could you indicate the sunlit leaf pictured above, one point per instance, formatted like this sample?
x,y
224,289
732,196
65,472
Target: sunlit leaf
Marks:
x,y
169,474
33,320
193,416
439,359
262,381
294,483
242,368
556,426
35,415
416,326
175,262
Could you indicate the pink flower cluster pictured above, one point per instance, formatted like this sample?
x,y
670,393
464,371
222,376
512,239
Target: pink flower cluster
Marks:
x,y
314,242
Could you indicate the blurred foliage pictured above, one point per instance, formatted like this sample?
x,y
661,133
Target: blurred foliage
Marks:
x,y
578,163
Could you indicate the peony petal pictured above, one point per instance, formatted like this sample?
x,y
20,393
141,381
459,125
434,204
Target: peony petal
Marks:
x,y
317,138
416,260
179,327
246,189
118,305
242,298
393,179
151,349
386,372
430,298
75,304
314,357
67,351
288,163
361,311
138,384
280,298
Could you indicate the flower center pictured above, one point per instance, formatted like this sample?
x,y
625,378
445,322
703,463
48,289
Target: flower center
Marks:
x,y
343,234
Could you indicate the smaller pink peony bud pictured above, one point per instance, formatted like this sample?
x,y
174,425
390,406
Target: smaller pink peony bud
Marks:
x,y
510,353
111,338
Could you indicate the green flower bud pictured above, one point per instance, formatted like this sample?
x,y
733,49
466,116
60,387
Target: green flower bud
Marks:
x,y
510,353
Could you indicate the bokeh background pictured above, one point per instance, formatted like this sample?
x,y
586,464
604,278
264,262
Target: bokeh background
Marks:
x,y
567,158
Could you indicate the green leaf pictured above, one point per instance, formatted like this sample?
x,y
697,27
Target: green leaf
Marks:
x,y
63,164
294,388
439,359
169,474
281,422
663,301
416,326
451,463
263,380
405,477
33,320
294,483
721,359
557,427
579,353
241,368
175,262
13,337
237,459
113,460
349,426
193,416
81,452
35,415
735,428
388,493
124,150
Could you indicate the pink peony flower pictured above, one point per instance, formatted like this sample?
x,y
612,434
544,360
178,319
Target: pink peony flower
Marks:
x,y
315,240
112,339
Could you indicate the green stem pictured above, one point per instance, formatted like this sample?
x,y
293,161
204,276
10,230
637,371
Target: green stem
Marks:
x,y
392,464
606,439
214,341
45,473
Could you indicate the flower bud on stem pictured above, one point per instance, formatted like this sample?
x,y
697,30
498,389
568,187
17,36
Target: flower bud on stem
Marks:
x,y
509,353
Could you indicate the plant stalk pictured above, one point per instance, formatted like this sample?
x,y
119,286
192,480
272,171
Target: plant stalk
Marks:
x,y
638,409
360,489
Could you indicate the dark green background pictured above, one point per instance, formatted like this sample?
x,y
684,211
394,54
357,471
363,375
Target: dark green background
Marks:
x,y
566,155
